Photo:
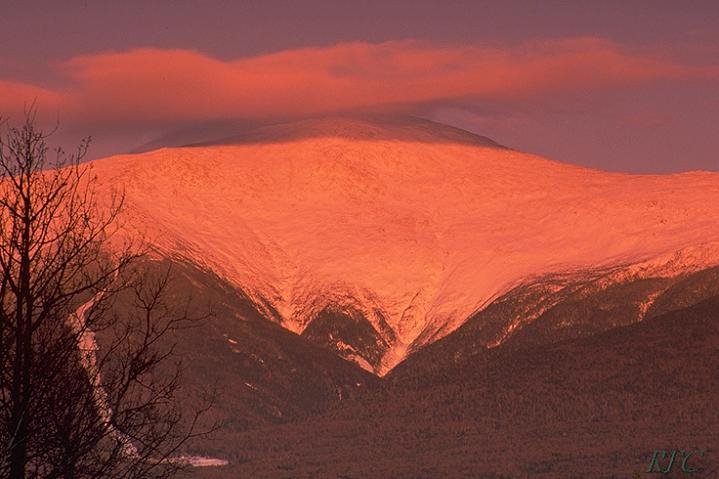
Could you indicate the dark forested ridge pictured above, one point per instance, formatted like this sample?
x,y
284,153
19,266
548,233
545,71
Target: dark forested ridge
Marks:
x,y
592,401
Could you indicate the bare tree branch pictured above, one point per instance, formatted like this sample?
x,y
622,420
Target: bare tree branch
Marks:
x,y
87,388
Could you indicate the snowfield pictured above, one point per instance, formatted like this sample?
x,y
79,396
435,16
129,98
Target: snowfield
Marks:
x,y
421,233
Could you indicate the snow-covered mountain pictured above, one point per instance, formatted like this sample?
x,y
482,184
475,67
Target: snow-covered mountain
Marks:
x,y
377,238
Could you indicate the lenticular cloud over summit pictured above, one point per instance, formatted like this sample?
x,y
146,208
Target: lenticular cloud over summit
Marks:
x,y
150,86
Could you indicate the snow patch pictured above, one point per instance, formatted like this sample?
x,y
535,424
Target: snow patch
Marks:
x,y
201,461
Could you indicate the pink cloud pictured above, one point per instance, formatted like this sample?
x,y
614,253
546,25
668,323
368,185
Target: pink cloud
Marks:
x,y
155,87
16,97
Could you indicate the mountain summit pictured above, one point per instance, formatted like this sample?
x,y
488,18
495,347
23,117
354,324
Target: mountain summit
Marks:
x,y
379,237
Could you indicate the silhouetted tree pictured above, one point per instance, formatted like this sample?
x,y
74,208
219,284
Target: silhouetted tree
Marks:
x,y
68,407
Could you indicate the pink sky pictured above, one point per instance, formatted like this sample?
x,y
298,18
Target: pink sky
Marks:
x,y
619,96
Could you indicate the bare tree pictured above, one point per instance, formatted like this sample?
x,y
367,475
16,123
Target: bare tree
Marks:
x,y
85,391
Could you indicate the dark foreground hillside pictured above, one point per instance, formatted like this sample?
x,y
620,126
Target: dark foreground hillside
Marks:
x,y
586,407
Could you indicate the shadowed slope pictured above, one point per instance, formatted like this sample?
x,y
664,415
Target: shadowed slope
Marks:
x,y
555,308
261,372
386,128
591,407
397,128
